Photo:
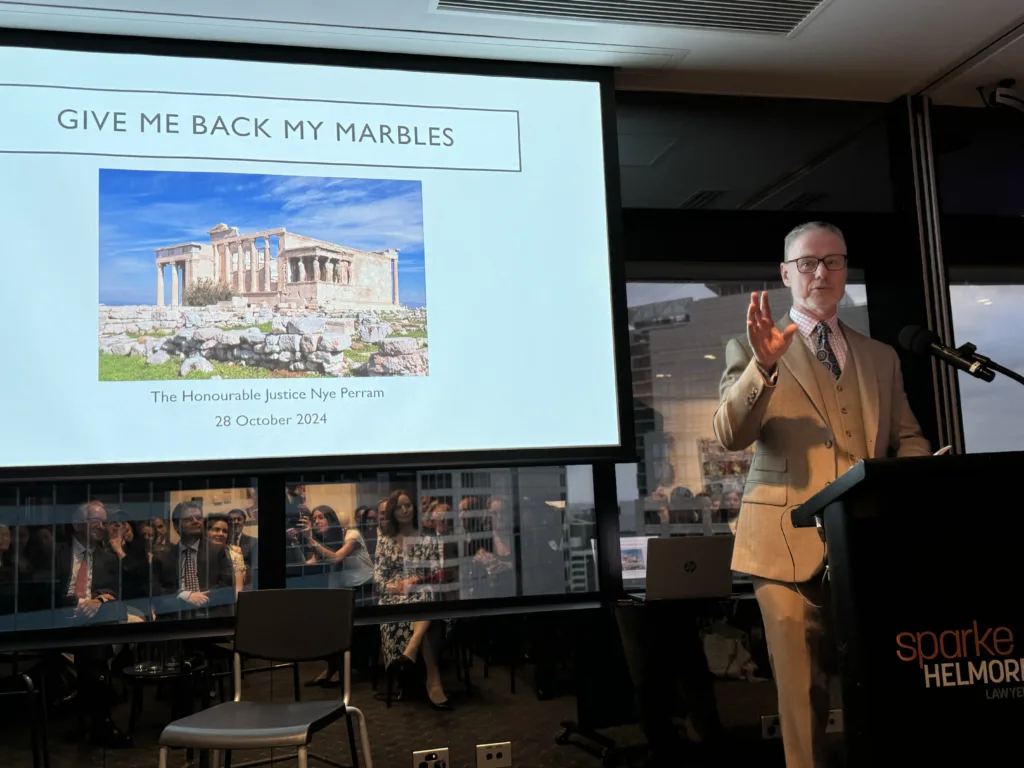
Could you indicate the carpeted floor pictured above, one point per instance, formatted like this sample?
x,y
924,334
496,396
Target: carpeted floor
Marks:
x,y
488,713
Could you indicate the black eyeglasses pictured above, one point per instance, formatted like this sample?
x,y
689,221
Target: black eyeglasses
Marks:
x,y
809,264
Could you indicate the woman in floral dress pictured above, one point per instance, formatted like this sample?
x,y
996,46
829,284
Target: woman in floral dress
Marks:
x,y
408,565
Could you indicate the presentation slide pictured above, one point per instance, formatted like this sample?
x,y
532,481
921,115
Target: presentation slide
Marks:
x,y
218,259
633,551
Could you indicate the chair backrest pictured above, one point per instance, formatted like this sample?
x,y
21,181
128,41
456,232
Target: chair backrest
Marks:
x,y
292,625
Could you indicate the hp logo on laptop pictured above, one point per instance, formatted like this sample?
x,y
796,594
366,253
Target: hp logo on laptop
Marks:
x,y
690,566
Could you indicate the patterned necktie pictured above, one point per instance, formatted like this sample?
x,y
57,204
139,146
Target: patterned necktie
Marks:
x,y
823,350
189,574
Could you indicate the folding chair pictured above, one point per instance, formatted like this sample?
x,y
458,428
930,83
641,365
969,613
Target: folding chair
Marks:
x,y
281,625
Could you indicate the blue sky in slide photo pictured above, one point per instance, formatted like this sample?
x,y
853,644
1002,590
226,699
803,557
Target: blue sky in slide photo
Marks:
x,y
143,210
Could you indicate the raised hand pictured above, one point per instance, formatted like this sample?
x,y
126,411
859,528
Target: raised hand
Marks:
x,y
768,342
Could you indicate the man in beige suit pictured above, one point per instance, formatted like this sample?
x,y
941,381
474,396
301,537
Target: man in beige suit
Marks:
x,y
814,397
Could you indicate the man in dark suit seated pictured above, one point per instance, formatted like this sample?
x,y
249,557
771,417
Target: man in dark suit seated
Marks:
x,y
237,519
86,591
194,578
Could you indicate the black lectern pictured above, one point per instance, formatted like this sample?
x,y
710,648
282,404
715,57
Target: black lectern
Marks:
x,y
924,565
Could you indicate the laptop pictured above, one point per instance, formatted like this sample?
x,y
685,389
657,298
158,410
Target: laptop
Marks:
x,y
688,567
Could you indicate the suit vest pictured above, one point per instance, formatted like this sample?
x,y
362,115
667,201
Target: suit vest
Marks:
x,y
841,398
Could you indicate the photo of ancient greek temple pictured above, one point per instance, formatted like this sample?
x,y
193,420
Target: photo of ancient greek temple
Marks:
x,y
273,266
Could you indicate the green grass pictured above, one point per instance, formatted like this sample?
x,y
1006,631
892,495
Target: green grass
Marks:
x,y
123,368
362,354
154,334
411,333
263,327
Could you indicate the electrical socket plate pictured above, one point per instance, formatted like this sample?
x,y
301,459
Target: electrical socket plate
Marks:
x,y
494,755
431,758
835,721
770,727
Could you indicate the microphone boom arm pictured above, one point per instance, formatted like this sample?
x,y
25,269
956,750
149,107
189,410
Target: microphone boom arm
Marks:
x,y
969,351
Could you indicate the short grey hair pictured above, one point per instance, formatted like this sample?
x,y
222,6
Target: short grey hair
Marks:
x,y
803,229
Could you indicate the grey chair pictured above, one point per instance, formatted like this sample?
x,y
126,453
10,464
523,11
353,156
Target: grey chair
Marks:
x,y
281,625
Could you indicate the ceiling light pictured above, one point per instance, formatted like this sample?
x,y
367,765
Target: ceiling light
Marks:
x,y
709,357
984,301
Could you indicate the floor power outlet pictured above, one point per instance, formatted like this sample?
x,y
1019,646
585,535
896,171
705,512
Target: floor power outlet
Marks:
x,y
431,758
770,724
770,727
835,721
494,755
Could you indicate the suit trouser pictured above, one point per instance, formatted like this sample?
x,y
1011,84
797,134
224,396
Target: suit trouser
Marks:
x,y
797,625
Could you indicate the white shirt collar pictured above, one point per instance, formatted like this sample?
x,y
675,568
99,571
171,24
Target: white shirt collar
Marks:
x,y
806,324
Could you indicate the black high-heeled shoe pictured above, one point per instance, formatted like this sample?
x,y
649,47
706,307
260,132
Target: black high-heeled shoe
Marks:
x,y
444,706
324,680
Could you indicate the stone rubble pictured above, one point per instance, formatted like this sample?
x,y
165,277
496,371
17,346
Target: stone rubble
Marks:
x,y
300,340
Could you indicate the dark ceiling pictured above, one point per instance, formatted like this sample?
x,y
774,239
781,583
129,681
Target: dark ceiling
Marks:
x,y
732,153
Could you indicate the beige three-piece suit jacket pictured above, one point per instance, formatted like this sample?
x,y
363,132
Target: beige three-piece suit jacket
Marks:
x,y
806,430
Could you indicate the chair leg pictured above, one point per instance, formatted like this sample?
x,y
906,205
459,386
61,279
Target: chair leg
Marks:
x,y
163,758
136,706
302,757
44,714
364,737
38,745
352,739
227,758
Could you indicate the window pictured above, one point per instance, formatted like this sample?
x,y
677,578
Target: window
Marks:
x,y
685,482
467,535
116,554
990,316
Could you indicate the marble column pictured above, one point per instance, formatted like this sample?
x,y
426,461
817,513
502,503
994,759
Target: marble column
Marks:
x,y
316,269
174,283
266,264
254,280
241,268
187,272
284,269
159,285
329,267
394,281
216,263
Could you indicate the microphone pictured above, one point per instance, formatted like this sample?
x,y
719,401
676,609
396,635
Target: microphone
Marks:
x,y
921,341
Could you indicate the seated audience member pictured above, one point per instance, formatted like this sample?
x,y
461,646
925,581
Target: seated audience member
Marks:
x,y
133,562
335,541
161,538
448,543
492,571
86,573
7,571
193,577
366,522
295,510
218,531
247,544
407,567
